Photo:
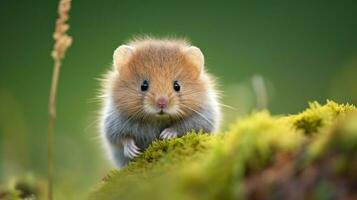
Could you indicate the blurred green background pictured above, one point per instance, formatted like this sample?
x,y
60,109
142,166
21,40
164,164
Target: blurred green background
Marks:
x,y
303,50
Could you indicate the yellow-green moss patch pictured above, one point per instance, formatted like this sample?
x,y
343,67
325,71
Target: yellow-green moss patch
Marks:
x,y
260,155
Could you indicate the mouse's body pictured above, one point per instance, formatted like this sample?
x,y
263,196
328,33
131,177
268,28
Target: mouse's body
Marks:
x,y
157,89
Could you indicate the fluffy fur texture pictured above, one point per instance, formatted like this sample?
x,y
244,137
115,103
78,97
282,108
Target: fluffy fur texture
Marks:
x,y
131,119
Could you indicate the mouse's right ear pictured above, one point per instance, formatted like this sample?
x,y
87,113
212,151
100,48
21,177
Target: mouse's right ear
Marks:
x,y
122,55
196,57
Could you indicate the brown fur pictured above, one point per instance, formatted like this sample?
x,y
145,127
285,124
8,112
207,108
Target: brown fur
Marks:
x,y
132,118
161,62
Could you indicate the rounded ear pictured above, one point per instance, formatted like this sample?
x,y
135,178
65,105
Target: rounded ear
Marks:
x,y
195,56
122,55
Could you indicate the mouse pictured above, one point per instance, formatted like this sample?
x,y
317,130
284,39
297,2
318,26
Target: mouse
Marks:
x,y
157,88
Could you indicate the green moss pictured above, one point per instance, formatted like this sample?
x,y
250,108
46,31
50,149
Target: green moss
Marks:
x,y
23,187
248,147
162,155
341,138
258,147
157,164
317,116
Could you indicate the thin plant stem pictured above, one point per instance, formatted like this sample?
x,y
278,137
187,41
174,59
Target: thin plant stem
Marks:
x,y
62,43
51,125
260,92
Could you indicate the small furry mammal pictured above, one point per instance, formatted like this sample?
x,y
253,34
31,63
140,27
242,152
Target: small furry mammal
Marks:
x,y
157,89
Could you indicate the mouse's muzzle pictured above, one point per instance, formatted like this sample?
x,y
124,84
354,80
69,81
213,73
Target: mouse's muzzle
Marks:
x,y
162,102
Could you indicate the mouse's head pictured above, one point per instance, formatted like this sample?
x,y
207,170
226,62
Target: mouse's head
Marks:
x,y
159,79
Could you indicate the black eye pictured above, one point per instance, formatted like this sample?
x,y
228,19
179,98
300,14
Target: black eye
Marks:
x,y
144,85
177,86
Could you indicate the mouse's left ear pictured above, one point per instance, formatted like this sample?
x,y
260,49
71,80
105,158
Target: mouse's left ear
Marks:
x,y
122,55
196,57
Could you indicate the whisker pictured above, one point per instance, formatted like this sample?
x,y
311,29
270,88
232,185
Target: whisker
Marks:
x,y
192,92
228,106
180,114
125,124
204,117
96,121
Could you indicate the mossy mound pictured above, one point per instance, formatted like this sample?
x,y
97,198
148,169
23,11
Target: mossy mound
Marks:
x,y
24,187
309,155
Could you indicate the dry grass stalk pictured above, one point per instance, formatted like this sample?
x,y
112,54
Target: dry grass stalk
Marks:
x,y
260,91
62,42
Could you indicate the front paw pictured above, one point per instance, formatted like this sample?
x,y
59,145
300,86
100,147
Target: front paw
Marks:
x,y
130,149
168,133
